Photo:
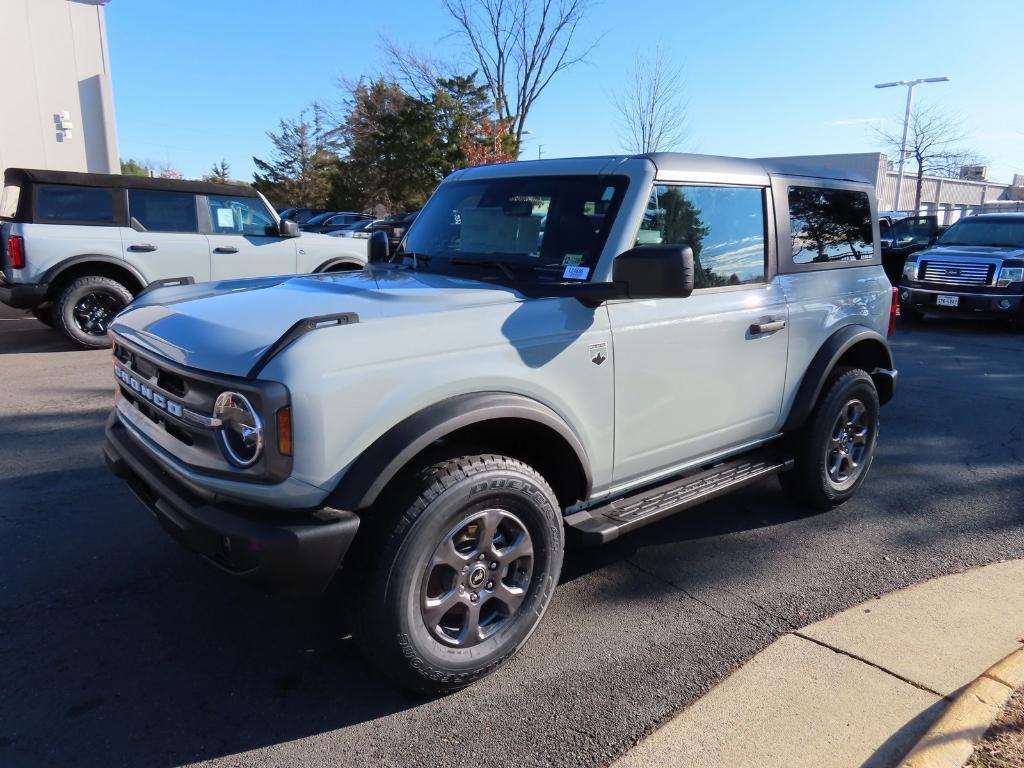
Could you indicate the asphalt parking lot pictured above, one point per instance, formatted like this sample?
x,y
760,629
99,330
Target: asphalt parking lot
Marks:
x,y
119,648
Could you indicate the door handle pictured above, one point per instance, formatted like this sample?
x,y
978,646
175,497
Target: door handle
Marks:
x,y
770,327
225,249
142,248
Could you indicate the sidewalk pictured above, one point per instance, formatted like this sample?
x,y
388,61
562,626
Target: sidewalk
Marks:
x,y
857,689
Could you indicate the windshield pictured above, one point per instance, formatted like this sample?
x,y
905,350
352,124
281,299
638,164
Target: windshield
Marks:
x,y
1006,233
535,227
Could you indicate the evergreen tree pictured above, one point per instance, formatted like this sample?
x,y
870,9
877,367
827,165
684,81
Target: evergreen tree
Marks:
x,y
219,172
304,153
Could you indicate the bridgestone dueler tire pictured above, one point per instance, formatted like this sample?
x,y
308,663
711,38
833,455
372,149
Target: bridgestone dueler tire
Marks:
x,y
393,557
77,290
808,482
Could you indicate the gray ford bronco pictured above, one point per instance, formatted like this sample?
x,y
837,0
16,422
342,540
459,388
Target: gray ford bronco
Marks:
x,y
76,248
559,349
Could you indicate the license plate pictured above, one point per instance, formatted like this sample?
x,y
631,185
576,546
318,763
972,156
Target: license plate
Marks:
x,y
947,301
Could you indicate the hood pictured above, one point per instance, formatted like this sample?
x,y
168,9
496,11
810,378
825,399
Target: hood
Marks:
x,y
988,253
226,327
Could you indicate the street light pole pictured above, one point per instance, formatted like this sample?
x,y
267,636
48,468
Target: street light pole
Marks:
x,y
906,125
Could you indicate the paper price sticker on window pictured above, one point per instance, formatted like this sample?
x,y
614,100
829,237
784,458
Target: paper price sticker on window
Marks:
x,y
576,273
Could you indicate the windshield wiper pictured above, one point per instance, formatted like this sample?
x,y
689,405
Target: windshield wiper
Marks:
x,y
494,263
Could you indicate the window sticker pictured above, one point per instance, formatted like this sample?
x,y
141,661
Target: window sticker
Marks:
x,y
572,259
225,218
576,273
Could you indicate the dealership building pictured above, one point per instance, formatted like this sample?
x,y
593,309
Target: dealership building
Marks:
x,y
58,87
948,198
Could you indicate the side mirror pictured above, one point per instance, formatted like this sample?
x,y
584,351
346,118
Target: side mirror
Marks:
x,y
655,271
287,228
377,247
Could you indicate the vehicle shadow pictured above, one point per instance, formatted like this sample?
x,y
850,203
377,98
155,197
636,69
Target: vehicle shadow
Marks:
x,y
28,335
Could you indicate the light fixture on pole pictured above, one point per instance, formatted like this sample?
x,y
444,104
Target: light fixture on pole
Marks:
x,y
906,124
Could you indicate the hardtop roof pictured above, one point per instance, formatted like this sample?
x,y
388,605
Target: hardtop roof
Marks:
x,y
120,181
668,162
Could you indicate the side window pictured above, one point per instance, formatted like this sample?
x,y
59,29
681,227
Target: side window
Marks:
x,y
90,205
723,225
238,215
162,211
828,225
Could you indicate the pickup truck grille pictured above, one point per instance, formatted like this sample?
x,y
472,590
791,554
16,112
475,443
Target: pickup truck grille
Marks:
x,y
956,272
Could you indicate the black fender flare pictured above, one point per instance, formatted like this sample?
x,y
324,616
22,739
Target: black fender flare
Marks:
x,y
376,466
826,358
337,261
53,273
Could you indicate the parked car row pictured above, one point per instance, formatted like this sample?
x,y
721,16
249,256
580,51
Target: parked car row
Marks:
x,y
76,248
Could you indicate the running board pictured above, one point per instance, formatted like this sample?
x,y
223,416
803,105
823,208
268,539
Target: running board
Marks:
x,y
601,524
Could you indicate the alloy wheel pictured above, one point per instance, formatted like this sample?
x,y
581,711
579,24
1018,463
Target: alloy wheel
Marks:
x,y
848,444
94,311
477,579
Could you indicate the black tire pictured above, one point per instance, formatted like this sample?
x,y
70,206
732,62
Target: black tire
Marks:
x,y
44,314
85,308
399,577
817,478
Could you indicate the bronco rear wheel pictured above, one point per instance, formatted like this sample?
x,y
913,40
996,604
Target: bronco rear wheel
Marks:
x,y
835,447
86,306
455,587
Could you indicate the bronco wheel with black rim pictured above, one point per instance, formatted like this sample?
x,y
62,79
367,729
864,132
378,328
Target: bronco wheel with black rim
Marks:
x,y
86,307
834,449
457,585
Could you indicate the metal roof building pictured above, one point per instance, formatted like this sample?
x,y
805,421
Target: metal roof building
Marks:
x,y
59,107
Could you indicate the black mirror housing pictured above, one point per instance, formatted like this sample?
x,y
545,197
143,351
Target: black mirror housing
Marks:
x,y
377,247
655,271
287,228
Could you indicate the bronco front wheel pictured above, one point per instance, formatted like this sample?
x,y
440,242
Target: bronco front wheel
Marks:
x,y
459,583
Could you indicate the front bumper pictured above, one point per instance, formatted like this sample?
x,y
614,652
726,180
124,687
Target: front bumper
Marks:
x,y
293,553
23,295
970,302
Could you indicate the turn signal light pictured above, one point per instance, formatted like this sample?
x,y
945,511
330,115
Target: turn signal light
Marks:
x,y
16,251
284,431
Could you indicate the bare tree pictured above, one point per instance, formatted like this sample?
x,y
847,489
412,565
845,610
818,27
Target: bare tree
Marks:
x,y
651,106
933,141
520,45
416,72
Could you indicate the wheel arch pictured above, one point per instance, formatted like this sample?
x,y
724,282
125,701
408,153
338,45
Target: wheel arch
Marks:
x,y
492,422
59,276
340,264
854,345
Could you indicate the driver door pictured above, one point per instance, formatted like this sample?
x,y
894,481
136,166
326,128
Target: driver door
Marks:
x,y
704,374
240,245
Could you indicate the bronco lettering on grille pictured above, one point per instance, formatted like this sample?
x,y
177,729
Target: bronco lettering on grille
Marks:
x,y
147,392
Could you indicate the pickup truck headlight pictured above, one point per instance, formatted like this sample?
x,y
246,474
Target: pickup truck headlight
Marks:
x,y
241,430
1009,275
910,270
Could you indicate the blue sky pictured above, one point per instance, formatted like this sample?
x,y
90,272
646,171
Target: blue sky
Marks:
x,y
195,81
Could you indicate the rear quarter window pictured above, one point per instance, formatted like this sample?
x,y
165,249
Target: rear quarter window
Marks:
x,y
829,225
74,205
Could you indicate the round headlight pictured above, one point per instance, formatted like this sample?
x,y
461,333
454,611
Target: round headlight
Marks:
x,y
241,430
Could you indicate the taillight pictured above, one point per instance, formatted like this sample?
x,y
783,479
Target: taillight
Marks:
x,y
894,310
16,251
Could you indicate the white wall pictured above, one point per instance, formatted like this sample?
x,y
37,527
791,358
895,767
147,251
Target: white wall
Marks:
x,y
54,55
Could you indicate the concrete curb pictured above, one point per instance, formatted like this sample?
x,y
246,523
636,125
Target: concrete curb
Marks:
x,y
950,742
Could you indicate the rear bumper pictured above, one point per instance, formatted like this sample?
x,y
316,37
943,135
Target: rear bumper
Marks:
x,y
23,296
293,553
995,304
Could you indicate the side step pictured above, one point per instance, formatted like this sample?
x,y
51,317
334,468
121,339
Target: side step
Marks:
x,y
601,524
